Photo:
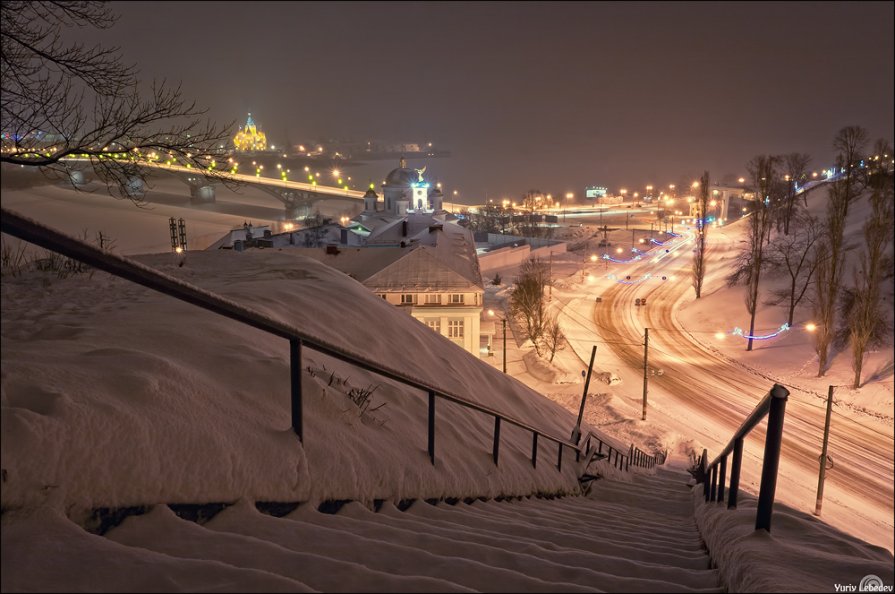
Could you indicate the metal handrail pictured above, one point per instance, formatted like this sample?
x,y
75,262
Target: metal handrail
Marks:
x,y
634,457
712,475
38,234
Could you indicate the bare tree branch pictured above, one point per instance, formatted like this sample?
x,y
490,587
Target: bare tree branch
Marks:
x,y
62,101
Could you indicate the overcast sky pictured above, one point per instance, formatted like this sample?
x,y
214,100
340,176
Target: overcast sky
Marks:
x,y
553,96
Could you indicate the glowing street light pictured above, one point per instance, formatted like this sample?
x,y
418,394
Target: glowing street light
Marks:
x,y
503,321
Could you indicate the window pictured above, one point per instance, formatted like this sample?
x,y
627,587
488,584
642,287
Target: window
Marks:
x,y
455,328
434,324
407,298
383,296
456,298
433,299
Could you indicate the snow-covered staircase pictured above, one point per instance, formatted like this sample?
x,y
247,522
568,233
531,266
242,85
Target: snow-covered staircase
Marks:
x,y
638,536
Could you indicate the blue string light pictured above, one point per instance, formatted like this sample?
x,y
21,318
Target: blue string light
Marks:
x,y
611,259
737,331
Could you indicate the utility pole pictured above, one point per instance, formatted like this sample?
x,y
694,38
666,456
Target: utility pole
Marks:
x,y
576,433
645,369
504,321
823,455
550,276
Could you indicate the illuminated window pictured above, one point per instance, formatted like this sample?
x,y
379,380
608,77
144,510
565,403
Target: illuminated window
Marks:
x,y
433,299
455,328
407,299
456,298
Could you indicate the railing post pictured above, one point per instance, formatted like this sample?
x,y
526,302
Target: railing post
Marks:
x,y
534,449
713,490
496,449
736,464
704,466
295,380
559,459
432,426
721,477
772,443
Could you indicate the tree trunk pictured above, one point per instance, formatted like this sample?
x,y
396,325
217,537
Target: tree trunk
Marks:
x,y
751,330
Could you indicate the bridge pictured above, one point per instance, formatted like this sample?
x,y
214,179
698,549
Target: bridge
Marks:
x,y
296,196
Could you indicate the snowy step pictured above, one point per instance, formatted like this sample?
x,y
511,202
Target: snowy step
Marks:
x,y
569,544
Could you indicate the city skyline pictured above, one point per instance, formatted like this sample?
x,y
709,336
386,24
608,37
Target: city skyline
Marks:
x,y
551,96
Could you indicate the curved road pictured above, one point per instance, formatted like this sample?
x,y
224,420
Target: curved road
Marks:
x,y
703,389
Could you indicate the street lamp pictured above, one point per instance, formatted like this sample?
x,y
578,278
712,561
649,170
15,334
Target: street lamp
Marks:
x,y
503,321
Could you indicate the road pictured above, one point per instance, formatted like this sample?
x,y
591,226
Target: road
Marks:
x,y
710,396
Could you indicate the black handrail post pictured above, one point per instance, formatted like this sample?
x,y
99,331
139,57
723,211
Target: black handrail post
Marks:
x,y
295,381
773,441
704,466
721,476
559,459
735,473
713,490
496,449
534,449
432,426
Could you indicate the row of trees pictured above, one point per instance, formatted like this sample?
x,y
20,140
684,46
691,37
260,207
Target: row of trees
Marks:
x,y
784,239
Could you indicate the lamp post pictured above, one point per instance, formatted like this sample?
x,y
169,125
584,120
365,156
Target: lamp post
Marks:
x,y
503,322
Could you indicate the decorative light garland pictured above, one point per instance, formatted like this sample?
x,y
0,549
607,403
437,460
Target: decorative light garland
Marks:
x,y
611,259
737,331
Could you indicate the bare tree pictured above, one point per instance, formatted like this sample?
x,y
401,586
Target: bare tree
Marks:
x,y
527,299
864,319
796,165
796,256
849,142
763,171
552,337
67,100
702,207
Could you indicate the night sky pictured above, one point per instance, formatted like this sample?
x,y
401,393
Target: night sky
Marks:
x,y
553,96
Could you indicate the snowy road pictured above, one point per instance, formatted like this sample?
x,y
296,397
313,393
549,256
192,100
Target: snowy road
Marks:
x,y
708,396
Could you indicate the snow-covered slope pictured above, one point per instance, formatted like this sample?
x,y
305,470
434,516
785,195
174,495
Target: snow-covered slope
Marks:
x,y
114,395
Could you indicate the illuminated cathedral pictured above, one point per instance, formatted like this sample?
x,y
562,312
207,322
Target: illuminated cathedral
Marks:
x,y
250,139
